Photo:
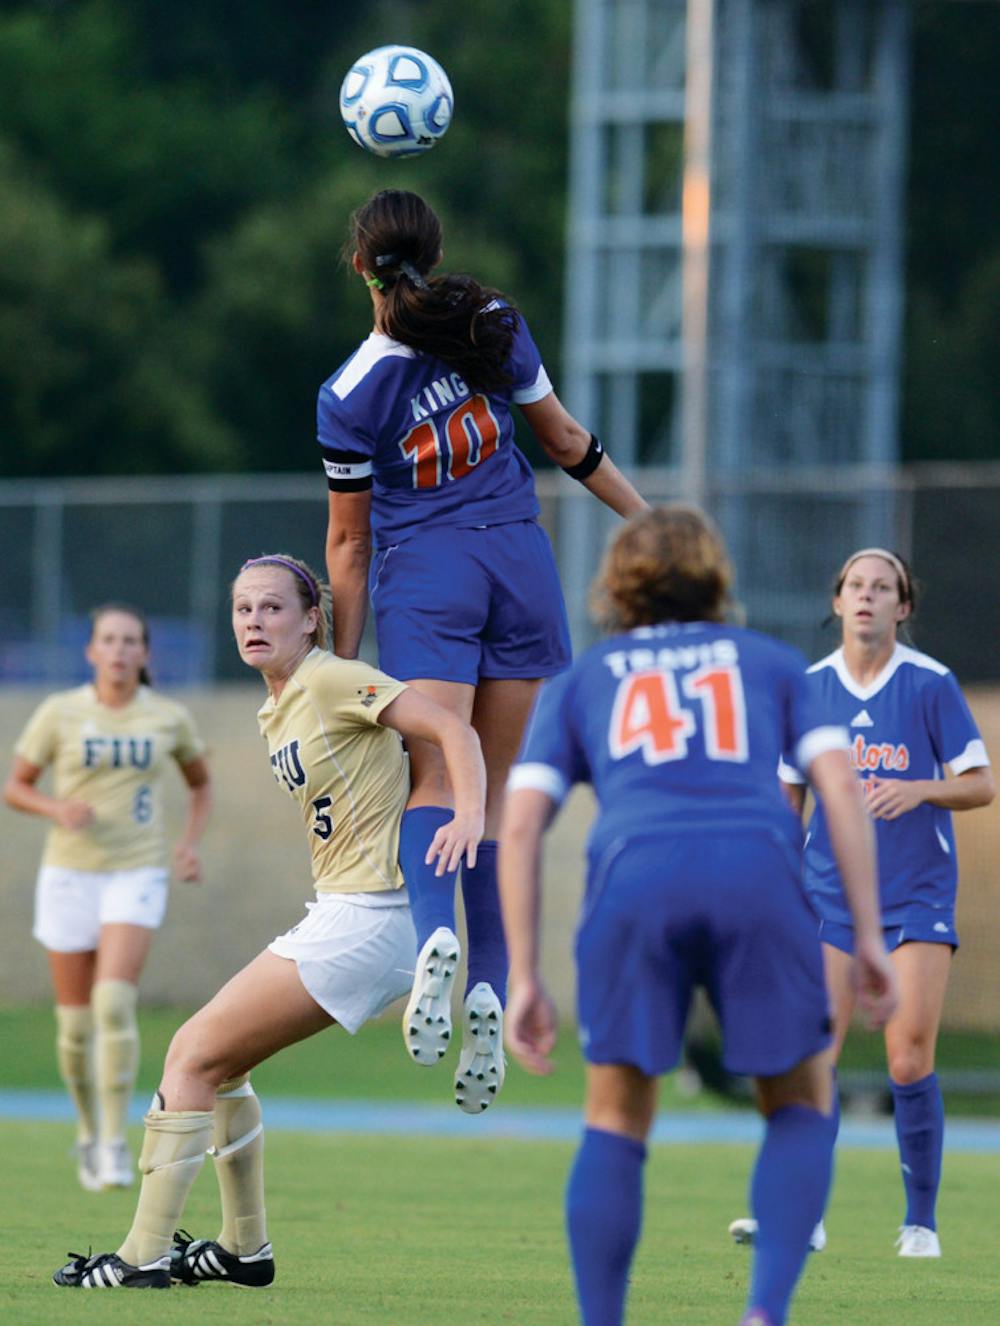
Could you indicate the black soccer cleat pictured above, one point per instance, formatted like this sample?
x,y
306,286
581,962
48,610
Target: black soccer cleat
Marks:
x,y
108,1271
193,1261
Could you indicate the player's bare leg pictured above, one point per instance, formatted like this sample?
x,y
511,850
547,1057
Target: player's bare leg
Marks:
x,y
922,971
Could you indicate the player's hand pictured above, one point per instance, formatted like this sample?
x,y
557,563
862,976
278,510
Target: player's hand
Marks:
x,y
530,1026
187,863
455,841
874,981
888,798
74,815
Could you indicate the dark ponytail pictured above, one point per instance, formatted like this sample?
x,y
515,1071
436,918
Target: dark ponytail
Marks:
x,y
468,326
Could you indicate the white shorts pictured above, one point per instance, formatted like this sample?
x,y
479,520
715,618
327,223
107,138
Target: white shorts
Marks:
x,y
355,953
72,905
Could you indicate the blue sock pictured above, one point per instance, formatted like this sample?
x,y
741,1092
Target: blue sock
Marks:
x,y
603,1217
432,898
788,1191
919,1113
487,954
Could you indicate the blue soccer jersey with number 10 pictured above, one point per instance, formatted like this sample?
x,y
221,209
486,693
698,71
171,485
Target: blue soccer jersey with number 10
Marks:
x,y
910,722
434,451
677,727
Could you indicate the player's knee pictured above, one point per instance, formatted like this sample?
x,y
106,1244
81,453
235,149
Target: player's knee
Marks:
x,y
911,1062
114,1004
192,1055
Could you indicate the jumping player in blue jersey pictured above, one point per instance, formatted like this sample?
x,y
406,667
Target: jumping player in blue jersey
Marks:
x,y
417,439
907,722
694,878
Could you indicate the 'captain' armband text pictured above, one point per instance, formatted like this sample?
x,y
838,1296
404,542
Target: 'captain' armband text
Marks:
x,y
583,469
347,471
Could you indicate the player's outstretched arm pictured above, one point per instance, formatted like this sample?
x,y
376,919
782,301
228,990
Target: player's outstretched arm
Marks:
x,y
853,843
20,793
567,443
348,552
530,1022
414,715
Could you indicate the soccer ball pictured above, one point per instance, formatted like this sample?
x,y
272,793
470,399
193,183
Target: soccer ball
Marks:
x,y
396,101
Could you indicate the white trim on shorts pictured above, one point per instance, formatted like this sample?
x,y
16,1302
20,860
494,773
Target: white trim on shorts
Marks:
x,y
355,953
72,905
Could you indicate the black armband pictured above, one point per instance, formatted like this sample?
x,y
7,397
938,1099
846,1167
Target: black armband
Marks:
x,y
583,469
347,471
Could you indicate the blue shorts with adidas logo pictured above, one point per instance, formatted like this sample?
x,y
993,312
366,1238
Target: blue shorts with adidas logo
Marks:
x,y
726,910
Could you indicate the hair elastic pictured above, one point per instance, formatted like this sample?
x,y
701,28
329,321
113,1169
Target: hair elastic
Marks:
x,y
887,556
374,283
290,566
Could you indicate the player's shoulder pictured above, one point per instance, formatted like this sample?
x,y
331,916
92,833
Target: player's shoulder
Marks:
x,y
925,668
327,675
768,647
372,362
74,700
164,707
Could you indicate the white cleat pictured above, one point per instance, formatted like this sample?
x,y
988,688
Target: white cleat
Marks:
x,y
481,1067
427,1019
114,1165
745,1231
86,1166
918,1241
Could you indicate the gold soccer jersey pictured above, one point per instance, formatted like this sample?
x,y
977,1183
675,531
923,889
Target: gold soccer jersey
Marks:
x,y
349,776
112,759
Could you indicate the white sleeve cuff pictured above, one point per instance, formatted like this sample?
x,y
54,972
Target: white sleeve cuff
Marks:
x,y
538,390
788,774
818,742
973,757
540,778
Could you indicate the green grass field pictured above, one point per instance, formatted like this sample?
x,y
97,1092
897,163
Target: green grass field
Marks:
x,y
419,1231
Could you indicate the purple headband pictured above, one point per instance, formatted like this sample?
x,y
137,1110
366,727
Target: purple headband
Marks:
x,y
290,566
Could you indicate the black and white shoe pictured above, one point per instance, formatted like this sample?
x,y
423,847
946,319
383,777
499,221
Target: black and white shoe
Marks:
x,y
195,1260
108,1271
427,1019
481,1065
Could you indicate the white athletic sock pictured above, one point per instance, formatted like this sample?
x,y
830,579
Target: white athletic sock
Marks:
x,y
117,1053
173,1152
74,1055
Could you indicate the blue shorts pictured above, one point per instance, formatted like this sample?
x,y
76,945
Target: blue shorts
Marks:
x,y
468,604
922,926
725,910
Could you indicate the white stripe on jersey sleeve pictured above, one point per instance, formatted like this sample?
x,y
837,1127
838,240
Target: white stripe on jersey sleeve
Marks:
x,y
337,469
973,757
540,778
539,389
789,774
377,346
818,742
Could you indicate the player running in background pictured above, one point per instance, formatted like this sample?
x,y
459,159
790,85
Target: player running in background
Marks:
x,y
907,721
417,437
333,730
694,878
102,887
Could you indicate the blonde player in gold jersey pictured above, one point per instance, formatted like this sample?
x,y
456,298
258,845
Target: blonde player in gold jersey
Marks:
x,y
333,728
102,887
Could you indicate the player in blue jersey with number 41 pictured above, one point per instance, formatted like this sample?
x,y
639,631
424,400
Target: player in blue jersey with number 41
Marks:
x,y
417,438
694,878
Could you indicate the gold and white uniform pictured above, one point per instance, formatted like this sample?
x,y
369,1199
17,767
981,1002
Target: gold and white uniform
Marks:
x,y
356,948
115,869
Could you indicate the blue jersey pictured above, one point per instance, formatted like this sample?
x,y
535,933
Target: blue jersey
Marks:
x,y
434,451
679,726
908,723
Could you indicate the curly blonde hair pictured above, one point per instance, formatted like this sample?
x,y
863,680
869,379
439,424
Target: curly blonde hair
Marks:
x,y
666,564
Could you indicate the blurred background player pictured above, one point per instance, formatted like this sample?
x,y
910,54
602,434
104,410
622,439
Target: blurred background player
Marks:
x,y
102,887
907,721
332,728
418,445
694,878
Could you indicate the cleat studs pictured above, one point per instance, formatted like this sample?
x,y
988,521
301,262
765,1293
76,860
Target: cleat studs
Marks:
x,y
429,1021
479,1077
440,1054
492,1089
414,1031
434,954
446,1035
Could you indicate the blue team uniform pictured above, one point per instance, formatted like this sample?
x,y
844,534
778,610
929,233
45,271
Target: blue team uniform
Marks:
x,y
908,723
694,860
463,581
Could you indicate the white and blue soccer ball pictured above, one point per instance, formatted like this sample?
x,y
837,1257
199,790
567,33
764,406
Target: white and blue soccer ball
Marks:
x,y
396,101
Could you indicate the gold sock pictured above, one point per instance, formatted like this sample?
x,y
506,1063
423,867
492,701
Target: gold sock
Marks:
x,y
238,1152
74,1054
172,1154
117,1053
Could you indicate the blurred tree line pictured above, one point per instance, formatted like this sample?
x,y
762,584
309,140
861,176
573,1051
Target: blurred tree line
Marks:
x,y
176,185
